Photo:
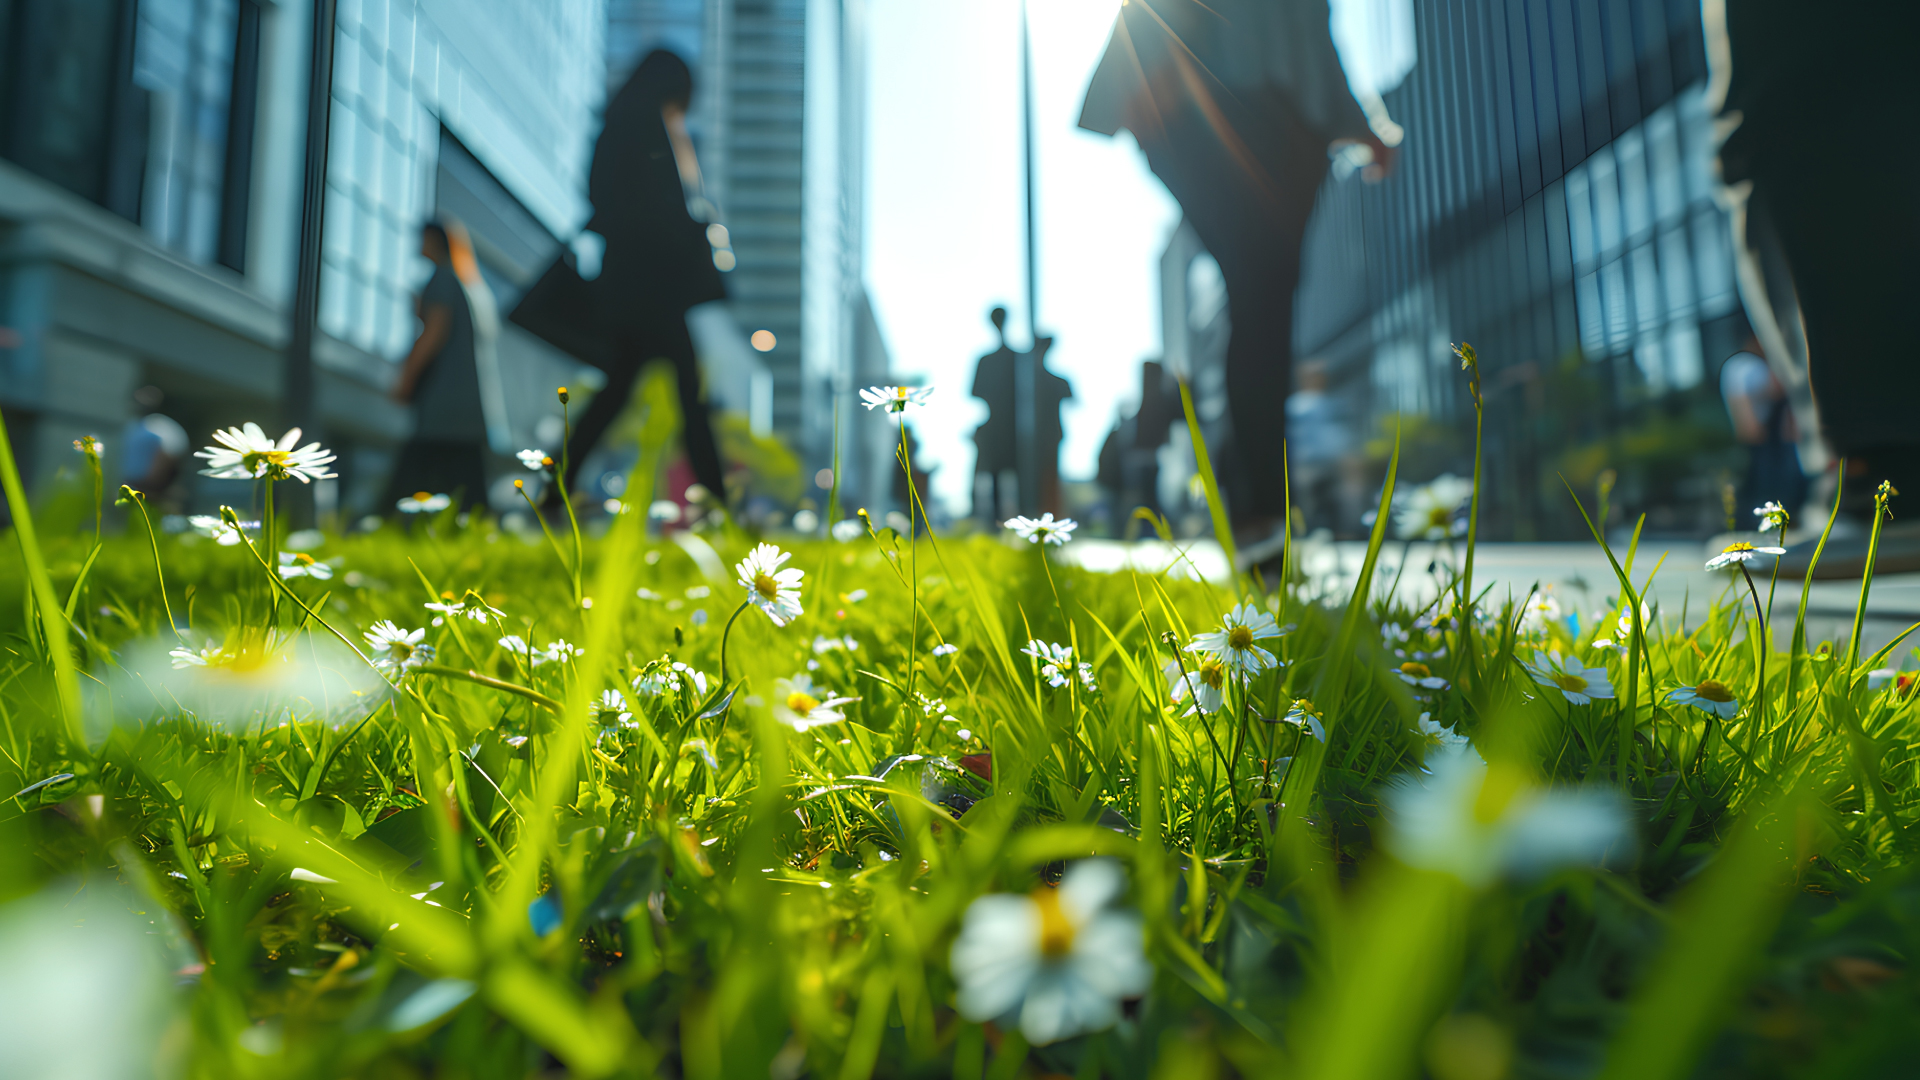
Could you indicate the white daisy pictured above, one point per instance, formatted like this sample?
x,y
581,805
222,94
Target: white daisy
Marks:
x,y
945,648
1741,552
421,502
1234,641
1416,674
1056,664
770,588
1043,529
90,445
1709,696
245,453
219,531
611,708
184,657
1432,511
895,398
295,564
1445,738
1580,684
1480,823
559,650
1772,515
670,679
1057,961
1623,629
535,460
1303,715
1204,681
470,606
397,651
803,706
1541,613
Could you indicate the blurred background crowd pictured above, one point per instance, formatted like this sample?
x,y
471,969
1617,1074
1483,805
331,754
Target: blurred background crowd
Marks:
x,y
401,224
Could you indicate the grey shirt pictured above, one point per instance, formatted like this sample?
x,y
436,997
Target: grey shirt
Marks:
x,y
446,402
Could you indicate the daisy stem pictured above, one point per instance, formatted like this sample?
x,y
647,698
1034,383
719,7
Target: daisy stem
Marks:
x,y
472,676
726,633
913,564
1761,633
140,503
231,518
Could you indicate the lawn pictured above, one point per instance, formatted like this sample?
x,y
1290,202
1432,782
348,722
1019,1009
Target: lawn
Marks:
x,y
446,799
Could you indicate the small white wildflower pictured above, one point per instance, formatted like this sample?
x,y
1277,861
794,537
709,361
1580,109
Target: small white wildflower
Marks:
x,y
184,657
1708,696
1303,715
1772,516
773,590
217,530
1578,683
295,564
1445,738
1742,552
1234,641
1432,511
895,398
535,460
1057,961
245,453
1480,823
397,651
802,706
421,502
1204,682
945,648
1043,529
1416,674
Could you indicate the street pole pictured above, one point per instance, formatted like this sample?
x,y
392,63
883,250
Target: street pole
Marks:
x,y
1026,376
297,382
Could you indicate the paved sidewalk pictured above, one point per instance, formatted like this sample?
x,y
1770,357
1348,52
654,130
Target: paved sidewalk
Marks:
x,y
1579,575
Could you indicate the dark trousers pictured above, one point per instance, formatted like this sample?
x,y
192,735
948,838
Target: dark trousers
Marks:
x,y
660,336
437,467
1248,194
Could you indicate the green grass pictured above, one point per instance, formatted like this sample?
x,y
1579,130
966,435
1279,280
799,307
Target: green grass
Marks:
x,y
704,892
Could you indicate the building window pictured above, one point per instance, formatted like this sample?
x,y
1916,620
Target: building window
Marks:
x,y
198,62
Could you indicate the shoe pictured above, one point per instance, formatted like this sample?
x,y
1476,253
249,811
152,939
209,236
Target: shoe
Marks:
x,y
1845,557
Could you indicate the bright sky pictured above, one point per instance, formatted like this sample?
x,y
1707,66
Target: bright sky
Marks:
x,y
946,227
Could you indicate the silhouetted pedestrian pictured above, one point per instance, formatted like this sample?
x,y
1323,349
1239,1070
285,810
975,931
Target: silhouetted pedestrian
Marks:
x,y
1235,104
441,379
657,262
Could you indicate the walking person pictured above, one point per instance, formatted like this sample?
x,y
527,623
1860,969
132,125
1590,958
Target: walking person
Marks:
x,y
1763,422
441,376
1236,104
657,262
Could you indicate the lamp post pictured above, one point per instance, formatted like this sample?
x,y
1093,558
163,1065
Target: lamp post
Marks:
x,y
1026,373
297,382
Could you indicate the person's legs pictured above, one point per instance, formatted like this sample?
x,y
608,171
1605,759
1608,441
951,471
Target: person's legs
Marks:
x,y
672,341
600,414
1253,220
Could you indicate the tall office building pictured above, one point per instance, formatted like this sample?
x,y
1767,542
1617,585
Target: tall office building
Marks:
x,y
778,122
150,204
1554,205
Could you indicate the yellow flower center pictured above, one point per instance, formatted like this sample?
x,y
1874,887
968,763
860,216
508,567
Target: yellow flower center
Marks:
x,y
768,588
1713,691
802,702
1504,782
1214,674
271,460
422,496
400,649
1741,546
1056,931
1573,684
1439,517
1240,638
301,558
1305,708
1416,670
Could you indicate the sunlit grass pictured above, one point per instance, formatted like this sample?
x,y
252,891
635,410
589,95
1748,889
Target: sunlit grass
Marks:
x,y
652,834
